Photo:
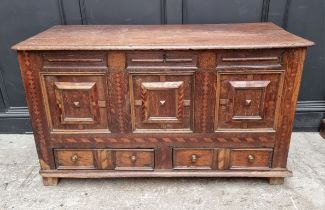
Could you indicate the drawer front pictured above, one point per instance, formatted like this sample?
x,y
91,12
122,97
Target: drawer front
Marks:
x,y
250,59
134,159
254,159
106,159
161,103
76,102
193,158
75,159
74,61
159,59
247,100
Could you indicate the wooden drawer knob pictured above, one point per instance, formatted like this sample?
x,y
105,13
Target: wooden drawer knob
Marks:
x,y
133,158
194,158
250,158
74,158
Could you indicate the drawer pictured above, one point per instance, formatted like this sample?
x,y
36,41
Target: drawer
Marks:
x,y
193,158
108,159
254,159
75,159
250,59
74,61
161,103
167,59
134,159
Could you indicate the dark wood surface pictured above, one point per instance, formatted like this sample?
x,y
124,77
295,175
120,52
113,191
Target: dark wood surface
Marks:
x,y
130,37
257,159
164,113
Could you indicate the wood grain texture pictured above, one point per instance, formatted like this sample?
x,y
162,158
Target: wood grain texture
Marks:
x,y
223,158
78,61
247,99
99,109
250,159
104,159
161,106
162,173
50,181
250,59
226,139
146,37
293,63
194,158
135,159
76,102
116,61
29,66
119,102
204,100
75,159
162,59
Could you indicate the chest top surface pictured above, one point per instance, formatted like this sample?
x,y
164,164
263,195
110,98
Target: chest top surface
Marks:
x,y
167,37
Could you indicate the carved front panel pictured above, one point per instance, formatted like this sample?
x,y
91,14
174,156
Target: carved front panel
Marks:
x,y
161,103
247,100
76,102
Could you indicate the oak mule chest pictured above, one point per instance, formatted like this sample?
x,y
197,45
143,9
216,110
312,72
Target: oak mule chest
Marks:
x,y
162,101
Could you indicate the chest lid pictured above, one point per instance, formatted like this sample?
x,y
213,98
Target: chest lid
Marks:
x,y
167,37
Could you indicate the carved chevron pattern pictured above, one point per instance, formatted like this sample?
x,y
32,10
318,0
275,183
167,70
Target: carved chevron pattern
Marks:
x,y
180,102
33,91
112,140
118,101
144,100
205,101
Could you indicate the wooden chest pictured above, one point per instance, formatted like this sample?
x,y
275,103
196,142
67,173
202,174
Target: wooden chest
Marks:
x,y
162,101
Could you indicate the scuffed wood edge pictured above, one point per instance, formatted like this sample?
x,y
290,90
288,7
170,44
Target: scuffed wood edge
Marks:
x,y
50,181
161,173
293,64
29,66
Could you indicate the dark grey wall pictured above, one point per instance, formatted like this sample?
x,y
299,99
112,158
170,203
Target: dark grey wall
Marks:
x,y
22,19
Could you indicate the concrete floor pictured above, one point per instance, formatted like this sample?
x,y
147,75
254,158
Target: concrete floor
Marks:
x,y
21,186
